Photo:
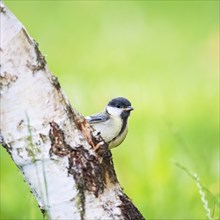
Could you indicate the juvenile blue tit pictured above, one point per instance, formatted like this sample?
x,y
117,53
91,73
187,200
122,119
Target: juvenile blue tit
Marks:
x,y
112,123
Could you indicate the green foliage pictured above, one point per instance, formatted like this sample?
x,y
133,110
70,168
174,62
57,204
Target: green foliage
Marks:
x,y
163,56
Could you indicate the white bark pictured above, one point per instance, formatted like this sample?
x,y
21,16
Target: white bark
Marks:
x,y
49,141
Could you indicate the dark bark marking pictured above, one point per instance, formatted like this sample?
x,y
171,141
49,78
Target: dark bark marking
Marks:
x,y
40,59
2,9
108,170
129,211
55,82
58,145
21,125
5,145
6,80
86,170
43,137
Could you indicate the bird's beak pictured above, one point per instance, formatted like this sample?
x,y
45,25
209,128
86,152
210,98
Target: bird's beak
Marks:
x,y
129,108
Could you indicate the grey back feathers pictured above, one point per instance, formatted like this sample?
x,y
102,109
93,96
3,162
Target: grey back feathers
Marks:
x,y
97,118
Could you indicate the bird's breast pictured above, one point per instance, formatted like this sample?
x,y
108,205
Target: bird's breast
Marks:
x,y
109,129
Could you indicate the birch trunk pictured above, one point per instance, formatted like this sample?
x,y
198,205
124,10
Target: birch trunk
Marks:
x,y
51,143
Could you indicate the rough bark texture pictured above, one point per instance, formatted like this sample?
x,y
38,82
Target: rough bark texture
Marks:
x,y
69,171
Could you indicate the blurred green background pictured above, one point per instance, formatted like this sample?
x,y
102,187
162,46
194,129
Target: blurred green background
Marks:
x,y
161,55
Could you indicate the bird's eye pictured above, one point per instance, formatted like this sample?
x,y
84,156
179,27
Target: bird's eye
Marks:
x,y
118,106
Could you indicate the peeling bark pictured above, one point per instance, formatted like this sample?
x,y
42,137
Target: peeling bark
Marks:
x,y
69,171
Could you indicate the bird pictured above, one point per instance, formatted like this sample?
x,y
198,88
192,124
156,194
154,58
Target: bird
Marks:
x,y
112,122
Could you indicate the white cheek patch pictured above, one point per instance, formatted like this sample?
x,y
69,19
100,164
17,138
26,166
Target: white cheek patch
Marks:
x,y
114,111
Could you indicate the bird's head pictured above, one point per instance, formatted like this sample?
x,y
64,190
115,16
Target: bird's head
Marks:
x,y
119,107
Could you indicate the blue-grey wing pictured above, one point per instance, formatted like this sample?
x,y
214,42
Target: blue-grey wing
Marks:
x,y
97,118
